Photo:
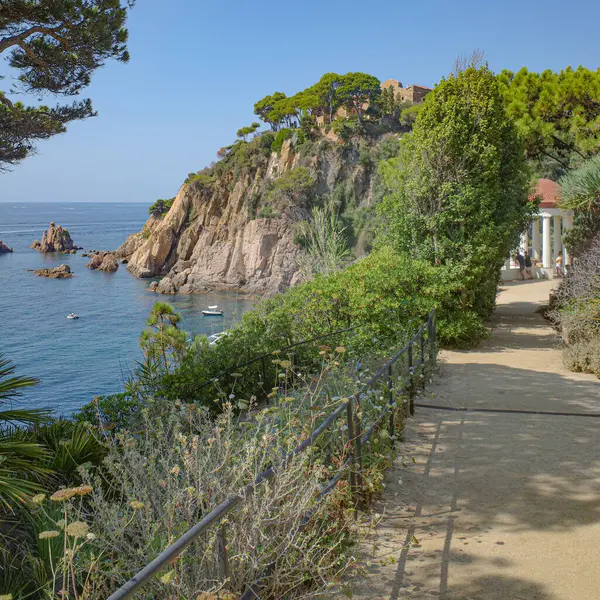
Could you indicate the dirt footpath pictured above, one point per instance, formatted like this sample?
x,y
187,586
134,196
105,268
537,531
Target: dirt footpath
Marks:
x,y
498,506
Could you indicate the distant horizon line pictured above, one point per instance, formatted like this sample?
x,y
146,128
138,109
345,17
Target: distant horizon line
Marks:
x,y
74,202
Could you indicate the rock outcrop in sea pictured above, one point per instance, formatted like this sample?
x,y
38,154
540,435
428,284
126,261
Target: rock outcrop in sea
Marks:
x,y
60,272
236,227
4,249
103,261
55,239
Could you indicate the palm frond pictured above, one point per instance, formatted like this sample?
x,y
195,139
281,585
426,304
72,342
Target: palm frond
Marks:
x,y
26,416
11,386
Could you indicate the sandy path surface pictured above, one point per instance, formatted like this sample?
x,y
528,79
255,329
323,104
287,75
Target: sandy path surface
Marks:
x,y
504,506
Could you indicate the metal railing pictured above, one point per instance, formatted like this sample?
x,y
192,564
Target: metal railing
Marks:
x,y
420,352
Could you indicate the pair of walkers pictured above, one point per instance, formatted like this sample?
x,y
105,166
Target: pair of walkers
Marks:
x,y
525,265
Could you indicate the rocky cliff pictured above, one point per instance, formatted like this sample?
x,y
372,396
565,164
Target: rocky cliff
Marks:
x,y
234,226
55,239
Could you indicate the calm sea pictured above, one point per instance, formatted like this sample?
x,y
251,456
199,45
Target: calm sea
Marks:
x,y
78,359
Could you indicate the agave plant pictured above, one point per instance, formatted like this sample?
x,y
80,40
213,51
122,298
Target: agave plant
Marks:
x,y
21,462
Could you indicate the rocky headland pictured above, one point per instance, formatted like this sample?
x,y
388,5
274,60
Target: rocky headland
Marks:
x,y
60,272
55,239
4,249
234,226
103,261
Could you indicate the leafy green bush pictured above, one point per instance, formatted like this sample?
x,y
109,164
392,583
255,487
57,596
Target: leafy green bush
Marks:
x,y
347,128
202,179
160,207
292,187
280,137
268,212
458,190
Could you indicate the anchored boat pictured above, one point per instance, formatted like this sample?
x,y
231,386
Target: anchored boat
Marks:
x,y
213,311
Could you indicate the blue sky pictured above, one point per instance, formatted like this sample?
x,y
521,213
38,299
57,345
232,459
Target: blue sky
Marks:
x,y
197,67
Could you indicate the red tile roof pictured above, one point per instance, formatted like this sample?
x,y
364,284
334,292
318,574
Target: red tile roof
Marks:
x,y
549,191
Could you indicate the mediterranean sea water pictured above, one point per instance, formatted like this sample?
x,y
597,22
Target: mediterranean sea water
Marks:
x,y
78,359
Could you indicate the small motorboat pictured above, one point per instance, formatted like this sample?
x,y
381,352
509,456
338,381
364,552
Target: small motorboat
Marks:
x,y
212,312
72,316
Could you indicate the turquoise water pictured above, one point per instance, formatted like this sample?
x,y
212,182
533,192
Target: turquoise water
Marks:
x,y
78,359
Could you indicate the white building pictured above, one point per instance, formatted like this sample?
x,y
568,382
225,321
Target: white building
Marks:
x,y
543,239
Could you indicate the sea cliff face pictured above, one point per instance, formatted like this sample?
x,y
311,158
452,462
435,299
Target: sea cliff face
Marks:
x,y
217,236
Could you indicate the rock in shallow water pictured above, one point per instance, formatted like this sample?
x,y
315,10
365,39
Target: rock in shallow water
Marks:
x,y
103,261
60,272
4,249
55,239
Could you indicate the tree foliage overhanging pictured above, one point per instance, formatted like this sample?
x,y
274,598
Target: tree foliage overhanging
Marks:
x,y
55,46
556,114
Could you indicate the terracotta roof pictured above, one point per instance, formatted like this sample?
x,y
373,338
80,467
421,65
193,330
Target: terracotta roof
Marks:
x,y
549,191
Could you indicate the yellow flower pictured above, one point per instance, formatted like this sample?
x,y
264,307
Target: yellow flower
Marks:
x,y
82,490
167,577
38,499
286,364
276,352
77,529
47,535
6,597
136,505
91,537
340,349
175,470
236,374
62,495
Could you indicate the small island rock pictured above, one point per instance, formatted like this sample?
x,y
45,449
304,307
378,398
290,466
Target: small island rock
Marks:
x,y
60,272
103,261
55,239
4,249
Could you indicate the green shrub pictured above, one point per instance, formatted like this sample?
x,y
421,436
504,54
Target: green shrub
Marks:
x,y
160,207
292,187
201,179
280,137
268,212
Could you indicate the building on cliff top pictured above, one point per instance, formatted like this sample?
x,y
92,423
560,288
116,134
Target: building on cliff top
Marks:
x,y
411,93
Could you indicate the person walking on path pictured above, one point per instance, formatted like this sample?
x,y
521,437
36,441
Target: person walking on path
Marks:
x,y
521,260
528,265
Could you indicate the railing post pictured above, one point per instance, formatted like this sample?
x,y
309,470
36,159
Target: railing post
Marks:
x,y
356,435
422,345
351,437
223,554
264,375
411,383
391,400
433,342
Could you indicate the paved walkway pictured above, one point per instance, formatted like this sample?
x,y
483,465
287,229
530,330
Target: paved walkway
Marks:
x,y
499,506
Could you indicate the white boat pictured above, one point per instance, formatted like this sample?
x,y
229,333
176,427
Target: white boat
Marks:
x,y
212,313
72,316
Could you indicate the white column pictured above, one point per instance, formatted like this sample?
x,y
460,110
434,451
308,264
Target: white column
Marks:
x,y
524,243
535,239
546,243
557,250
